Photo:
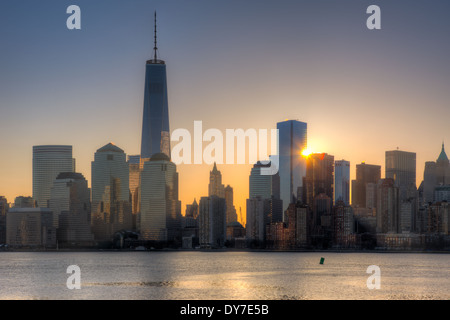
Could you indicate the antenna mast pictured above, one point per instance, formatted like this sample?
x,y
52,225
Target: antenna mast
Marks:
x,y
155,48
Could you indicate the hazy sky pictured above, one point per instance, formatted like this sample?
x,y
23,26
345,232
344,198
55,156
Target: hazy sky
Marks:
x,y
232,64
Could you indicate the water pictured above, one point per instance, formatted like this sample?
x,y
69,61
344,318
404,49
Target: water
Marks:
x,y
223,275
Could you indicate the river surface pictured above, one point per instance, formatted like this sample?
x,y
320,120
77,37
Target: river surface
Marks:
x,y
194,275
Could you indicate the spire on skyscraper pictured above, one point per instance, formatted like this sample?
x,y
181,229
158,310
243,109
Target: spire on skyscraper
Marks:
x,y
214,170
442,156
155,48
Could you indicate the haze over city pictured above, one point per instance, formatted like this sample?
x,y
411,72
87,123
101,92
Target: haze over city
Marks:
x,y
231,65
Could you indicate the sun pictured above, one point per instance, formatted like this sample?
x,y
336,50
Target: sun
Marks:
x,y
306,152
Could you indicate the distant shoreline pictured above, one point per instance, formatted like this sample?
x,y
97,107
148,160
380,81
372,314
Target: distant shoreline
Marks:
x,y
226,250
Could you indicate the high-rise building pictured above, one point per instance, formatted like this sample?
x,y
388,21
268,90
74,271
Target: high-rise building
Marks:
x,y
388,206
190,218
24,202
192,210
343,224
435,174
342,181
155,122
401,167
365,173
443,168
292,141
160,207
302,225
319,176
266,187
111,209
256,220
430,181
321,214
135,166
215,187
438,218
371,195
4,207
48,162
30,227
71,207
212,222
442,193
231,210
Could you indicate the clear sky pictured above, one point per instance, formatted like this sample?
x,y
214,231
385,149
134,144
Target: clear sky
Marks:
x,y
232,64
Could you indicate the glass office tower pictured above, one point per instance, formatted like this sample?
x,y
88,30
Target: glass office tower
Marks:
x,y
155,122
401,167
342,181
292,140
48,162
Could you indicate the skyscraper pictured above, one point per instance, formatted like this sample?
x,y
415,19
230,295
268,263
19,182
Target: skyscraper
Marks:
x,y
443,168
24,202
430,179
212,221
365,173
401,167
160,207
155,121
256,219
71,206
135,166
388,206
343,224
48,162
342,181
292,168
111,209
267,188
319,176
264,186
4,207
215,187
231,210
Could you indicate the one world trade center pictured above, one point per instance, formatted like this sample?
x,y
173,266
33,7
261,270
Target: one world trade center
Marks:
x,y
155,122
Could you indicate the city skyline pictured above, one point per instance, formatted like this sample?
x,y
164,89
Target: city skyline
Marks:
x,y
411,125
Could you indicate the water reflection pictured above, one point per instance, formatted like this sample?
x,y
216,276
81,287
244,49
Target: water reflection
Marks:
x,y
223,275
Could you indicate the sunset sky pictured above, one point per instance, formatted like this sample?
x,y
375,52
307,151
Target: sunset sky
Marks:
x,y
231,64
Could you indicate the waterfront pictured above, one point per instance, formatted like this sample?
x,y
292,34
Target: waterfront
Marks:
x,y
223,275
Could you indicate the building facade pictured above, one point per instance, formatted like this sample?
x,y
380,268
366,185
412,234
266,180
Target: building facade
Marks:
x,y
292,166
160,207
155,120
342,181
71,207
365,173
401,167
212,222
111,208
48,162
30,228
